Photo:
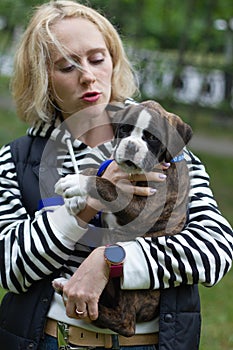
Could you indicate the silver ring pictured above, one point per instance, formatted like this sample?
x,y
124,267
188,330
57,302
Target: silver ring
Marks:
x,y
79,312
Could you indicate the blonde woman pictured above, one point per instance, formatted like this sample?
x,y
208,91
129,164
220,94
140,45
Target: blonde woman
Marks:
x,y
71,61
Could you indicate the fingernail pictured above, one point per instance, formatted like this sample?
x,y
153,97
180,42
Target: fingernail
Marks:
x,y
166,164
153,190
162,176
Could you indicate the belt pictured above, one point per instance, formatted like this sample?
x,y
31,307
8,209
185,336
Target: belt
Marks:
x,y
82,337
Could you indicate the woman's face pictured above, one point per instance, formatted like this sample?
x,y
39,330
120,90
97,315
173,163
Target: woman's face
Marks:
x,y
74,89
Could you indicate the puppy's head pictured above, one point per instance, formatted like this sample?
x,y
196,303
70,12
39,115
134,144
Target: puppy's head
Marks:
x,y
177,132
146,135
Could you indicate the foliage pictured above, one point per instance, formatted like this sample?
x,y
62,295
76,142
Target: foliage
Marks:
x,y
16,12
183,30
169,24
163,24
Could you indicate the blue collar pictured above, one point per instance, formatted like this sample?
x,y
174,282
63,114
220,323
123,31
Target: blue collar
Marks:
x,y
103,166
106,163
178,158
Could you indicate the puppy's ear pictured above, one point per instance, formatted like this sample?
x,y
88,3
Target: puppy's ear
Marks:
x,y
180,133
185,131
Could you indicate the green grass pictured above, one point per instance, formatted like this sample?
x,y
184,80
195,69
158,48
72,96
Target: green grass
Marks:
x,y
211,122
216,302
220,170
2,292
217,315
11,127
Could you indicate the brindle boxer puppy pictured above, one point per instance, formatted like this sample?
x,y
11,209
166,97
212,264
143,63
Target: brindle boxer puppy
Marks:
x,y
146,135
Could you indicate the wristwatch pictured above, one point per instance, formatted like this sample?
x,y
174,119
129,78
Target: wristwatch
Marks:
x,y
114,255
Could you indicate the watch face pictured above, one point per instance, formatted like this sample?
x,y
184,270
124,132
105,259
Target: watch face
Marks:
x,y
115,254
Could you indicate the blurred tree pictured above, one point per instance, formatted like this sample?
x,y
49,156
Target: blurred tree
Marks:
x,y
163,24
174,26
15,15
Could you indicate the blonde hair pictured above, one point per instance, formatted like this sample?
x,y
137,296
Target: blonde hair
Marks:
x,y
30,82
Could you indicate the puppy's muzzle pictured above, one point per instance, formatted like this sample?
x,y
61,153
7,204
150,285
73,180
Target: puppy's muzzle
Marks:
x,y
130,153
131,148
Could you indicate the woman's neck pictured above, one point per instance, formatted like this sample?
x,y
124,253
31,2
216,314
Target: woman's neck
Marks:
x,y
91,131
97,135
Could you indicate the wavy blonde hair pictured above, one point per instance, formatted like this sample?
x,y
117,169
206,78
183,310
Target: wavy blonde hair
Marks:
x,y
31,81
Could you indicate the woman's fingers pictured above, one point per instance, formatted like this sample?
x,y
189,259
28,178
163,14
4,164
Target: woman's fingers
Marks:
x,y
162,166
82,291
114,174
149,177
127,182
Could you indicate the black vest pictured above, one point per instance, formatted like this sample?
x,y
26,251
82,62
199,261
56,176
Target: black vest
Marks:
x,y
22,316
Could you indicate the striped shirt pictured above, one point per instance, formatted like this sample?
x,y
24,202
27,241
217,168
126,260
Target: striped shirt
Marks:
x,y
32,248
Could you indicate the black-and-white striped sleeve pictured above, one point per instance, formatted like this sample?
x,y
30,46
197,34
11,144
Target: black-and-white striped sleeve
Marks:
x,y
34,249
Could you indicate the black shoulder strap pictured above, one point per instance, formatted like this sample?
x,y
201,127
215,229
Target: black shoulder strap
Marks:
x,y
37,171
26,153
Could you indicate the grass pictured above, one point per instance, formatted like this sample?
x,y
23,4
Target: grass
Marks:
x,y
216,302
220,170
217,315
217,307
211,122
2,292
11,127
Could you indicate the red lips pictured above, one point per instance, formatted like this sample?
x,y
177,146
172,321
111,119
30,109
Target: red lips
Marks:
x,y
91,96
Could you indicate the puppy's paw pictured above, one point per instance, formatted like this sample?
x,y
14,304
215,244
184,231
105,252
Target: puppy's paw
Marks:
x,y
72,185
75,204
58,284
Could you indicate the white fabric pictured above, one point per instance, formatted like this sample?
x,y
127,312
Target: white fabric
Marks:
x,y
64,223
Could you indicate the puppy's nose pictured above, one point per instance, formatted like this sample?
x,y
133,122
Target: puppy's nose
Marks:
x,y
131,147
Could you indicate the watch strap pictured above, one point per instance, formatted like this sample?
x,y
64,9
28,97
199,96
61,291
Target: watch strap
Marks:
x,y
116,271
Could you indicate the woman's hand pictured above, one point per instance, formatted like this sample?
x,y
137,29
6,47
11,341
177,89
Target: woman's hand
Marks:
x,y
127,181
82,291
90,206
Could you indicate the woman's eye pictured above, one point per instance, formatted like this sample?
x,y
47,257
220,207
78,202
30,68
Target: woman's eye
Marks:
x,y
96,59
67,69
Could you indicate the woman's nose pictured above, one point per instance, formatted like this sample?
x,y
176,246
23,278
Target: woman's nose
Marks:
x,y
87,76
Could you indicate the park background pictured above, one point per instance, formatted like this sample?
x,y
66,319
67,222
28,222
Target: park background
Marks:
x,y
182,52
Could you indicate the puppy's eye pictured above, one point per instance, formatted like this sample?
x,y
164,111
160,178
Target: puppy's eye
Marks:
x,y
125,130
148,136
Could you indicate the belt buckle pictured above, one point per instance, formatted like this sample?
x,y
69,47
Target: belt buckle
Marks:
x,y
62,335
63,338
